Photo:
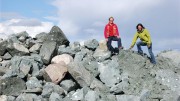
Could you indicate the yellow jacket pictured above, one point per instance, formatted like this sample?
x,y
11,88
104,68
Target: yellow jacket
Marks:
x,y
144,36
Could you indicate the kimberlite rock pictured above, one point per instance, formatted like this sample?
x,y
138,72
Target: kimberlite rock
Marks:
x,y
12,86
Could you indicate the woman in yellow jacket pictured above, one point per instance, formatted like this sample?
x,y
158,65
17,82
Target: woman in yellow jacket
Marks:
x,y
145,38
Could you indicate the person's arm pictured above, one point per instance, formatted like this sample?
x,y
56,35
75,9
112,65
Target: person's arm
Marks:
x,y
117,31
134,40
149,37
106,33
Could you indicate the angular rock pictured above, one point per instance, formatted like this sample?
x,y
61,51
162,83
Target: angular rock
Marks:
x,y
1,59
57,35
80,74
101,55
91,44
92,96
173,55
23,34
28,97
3,98
119,88
103,45
109,73
17,49
170,79
7,56
49,87
35,48
62,58
68,85
78,95
65,50
33,83
79,56
55,72
3,46
127,98
75,46
55,97
47,51
41,36
11,98
20,66
12,86
22,39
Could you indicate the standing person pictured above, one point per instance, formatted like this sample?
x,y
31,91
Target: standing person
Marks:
x,y
111,33
145,38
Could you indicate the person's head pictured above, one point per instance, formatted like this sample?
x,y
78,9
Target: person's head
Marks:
x,y
140,27
111,20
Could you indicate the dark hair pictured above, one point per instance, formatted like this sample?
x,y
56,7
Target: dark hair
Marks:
x,y
140,25
110,18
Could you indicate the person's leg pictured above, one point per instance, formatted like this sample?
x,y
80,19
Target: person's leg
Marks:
x,y
153,60
139,44
110,48
118,41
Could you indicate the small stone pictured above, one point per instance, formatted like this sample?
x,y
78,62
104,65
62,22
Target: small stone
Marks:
x,y
68,85
62,58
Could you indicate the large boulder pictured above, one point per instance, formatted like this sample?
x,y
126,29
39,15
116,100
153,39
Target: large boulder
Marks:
x,y
21,66
48,50
57,35
80,74
55,72
12,86
91,44
173,55
64,57
3,46
17,49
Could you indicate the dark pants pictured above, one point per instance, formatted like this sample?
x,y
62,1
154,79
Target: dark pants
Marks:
x,y
139,44
113,38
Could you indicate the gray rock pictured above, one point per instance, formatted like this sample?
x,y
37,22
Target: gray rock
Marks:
x,y
55,97
33,83
91,44
80,74
7,56
35,48
3,46
12,86
101,55
20,66
1,59
98,86
28,97
92,67
17,49
23,34
75,46
68,85
92,96
41,36
127,98
57,35
109,73
79,56
170,79
22,39
49,87
11,98
119,88
47,51
78,95
170,96
65,50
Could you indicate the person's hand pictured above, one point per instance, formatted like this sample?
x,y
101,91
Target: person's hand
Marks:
x,y
148,45
130,47
117,36
106,39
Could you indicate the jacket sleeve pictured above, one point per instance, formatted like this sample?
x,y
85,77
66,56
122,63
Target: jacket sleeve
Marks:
x,y
148,36
117,31
134,40
105,32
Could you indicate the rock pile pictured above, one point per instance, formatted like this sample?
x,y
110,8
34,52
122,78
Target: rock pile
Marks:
x,y
48,68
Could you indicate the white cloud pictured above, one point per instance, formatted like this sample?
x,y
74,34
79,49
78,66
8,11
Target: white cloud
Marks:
x,y
31,26
82,15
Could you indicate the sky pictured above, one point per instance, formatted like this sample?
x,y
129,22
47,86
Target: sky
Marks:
x,y
81,20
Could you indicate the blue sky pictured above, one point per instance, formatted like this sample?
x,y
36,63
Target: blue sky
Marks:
x,y
85,19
